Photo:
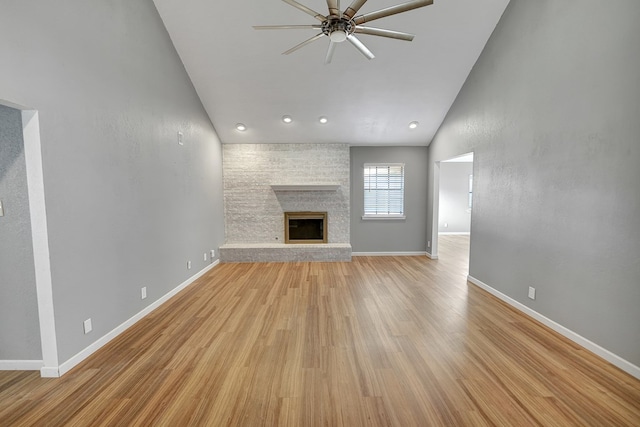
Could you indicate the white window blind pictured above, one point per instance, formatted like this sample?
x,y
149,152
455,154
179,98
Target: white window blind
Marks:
x,y
384,190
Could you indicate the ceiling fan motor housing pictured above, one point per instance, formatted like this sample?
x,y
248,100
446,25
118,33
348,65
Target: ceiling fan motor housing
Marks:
x,y
337,29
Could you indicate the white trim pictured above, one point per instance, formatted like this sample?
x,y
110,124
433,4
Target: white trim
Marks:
x,y
435,212
388,254
454,233
434,257
12,105
40,238
20,365
75,360
49,372
368,165
377,217
607,355
462,158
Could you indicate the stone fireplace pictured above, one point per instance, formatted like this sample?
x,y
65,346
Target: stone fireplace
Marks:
x,y
262,182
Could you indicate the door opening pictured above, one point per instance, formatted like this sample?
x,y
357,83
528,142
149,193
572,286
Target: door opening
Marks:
x,y
453,202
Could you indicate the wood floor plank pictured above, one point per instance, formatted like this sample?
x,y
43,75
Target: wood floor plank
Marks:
x,y
380,341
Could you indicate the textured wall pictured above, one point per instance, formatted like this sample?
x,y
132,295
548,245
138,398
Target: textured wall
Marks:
x,y
126,205
551,112
454,197
19,328
407,235
254,213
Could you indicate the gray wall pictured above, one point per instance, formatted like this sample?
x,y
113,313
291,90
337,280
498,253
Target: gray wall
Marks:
x,y
254,213
551,112
454,197
127,206
19,327
390,235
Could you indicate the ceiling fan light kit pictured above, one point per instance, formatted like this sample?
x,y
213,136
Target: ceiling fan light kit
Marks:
x,y
338,36
340,26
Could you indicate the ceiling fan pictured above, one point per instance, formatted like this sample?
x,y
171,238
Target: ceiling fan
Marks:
x,y
341,25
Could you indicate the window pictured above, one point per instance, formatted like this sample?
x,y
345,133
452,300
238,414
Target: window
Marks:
x,y
383,191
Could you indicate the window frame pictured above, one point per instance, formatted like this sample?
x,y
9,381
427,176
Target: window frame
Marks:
x,y
383,216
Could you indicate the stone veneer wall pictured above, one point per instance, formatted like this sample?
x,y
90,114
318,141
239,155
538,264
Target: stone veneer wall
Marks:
x,y
254,213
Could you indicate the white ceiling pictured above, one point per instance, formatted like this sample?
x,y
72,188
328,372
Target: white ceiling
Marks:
x,y
241,76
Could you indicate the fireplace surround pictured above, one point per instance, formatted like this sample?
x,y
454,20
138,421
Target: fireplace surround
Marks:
x,y
263,181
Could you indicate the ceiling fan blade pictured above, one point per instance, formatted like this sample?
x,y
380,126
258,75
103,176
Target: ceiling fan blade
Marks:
x,y
382,13
320,17
304,43
332,48
384,33
361,47
353,8
287,27
334,7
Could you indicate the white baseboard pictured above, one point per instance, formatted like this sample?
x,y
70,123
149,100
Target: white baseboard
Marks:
x,y
50,372
431,256
454,233
388,253
75,360
20,365
607,355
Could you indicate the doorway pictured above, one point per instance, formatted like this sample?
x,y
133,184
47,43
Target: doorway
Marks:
x,y
28,190
452,206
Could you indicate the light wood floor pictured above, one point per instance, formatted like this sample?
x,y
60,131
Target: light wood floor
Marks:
x,y
377,342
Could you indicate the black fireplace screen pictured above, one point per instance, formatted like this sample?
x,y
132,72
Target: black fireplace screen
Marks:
x,y
305,227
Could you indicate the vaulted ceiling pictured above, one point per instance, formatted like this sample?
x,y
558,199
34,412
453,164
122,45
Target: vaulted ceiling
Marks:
x,y
241,75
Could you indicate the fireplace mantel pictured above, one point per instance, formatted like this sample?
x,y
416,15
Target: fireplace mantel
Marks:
x,y
305,187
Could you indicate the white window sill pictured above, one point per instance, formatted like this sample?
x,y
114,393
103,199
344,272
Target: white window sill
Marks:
x,y
383,217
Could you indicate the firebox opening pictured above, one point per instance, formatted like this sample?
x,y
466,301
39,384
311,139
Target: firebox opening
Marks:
x,y
305,227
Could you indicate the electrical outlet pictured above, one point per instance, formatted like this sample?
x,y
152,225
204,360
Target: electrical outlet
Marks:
x,y
532,293
205,256
188,265
87,326
428,243
213,254
143,292
446,225
180,138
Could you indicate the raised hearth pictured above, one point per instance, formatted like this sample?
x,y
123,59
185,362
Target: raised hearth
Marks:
x,y
281,252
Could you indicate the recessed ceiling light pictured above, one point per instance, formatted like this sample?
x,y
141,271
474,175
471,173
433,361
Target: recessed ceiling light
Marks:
x,y
287,119
323,120
241,127
413,125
